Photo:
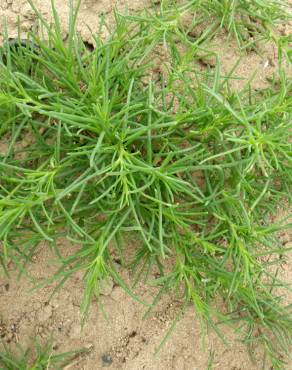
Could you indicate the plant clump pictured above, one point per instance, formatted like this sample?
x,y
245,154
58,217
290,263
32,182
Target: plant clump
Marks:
x,y
189,166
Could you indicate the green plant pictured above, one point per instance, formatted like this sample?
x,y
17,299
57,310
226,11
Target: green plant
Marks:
x,y
248,21
191,167
38,358
194,23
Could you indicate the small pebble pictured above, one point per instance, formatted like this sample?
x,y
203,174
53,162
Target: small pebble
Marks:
x,y
107,360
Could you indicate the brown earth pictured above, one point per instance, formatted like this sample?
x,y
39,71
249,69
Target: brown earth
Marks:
x,y
124,340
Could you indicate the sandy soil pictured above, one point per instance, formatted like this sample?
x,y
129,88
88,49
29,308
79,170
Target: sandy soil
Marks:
x,y
124,340
129,340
